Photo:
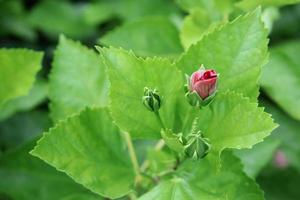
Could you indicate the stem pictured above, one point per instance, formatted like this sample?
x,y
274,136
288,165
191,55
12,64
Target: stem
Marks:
x,y
159,145
187,118
160,120
133,157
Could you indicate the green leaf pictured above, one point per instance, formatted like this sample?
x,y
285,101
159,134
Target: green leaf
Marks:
x,y
232,121
255,159
14,21
280,184
56,17
197,180
17,72
22,127
88,147
129,75
197,24
152,36
27,178
134,9
77,79
36,95
82,196
251,4
281,77
287,133
214,7
237,51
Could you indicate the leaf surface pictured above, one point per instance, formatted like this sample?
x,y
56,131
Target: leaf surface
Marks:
x,y
129,75
77,79
237,51
197,180
88,147
18,68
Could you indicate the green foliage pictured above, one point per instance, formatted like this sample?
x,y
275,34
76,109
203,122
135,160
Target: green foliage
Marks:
x,y
22,128
287,133
152,36
284,62
14,20
56,17
17,72
252,158
77,79
197,24
88,147
251,4
33,179
129,75
195,180
237,51
280,184
232,121
36,95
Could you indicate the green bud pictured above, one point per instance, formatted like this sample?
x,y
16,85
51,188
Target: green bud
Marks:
x,y
197,147
151,99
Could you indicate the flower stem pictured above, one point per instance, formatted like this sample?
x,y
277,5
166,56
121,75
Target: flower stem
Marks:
x,y
159,145
133,157
159,120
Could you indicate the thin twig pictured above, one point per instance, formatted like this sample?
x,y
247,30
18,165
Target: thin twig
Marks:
x,y
133,157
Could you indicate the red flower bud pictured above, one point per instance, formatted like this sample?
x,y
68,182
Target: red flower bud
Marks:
x,y
203,82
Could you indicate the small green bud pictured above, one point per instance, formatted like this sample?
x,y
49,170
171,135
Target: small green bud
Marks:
x,y
151,99
197,147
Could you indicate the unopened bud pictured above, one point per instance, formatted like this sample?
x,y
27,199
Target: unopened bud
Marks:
x,y
201,86
197,147
151,99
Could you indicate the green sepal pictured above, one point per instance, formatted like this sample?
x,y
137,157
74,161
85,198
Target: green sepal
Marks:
x,y
195,100
197,147
175,142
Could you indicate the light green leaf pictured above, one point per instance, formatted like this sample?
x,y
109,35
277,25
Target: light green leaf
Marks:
x,y
251,4
258,157
281,77
18,68
129,75
88,147
152,36
237,51
232,121
197,180
36,95
198,23
134,9
24,177
77,79
56,17
214,7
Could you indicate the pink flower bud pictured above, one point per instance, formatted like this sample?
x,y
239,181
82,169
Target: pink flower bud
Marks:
x,y
204,82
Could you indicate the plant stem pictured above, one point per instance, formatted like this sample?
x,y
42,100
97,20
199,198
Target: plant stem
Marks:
x,y
159,145
159,120
133,157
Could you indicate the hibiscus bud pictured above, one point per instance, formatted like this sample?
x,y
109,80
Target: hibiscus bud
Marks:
x,y
201,86
151,99
197,147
